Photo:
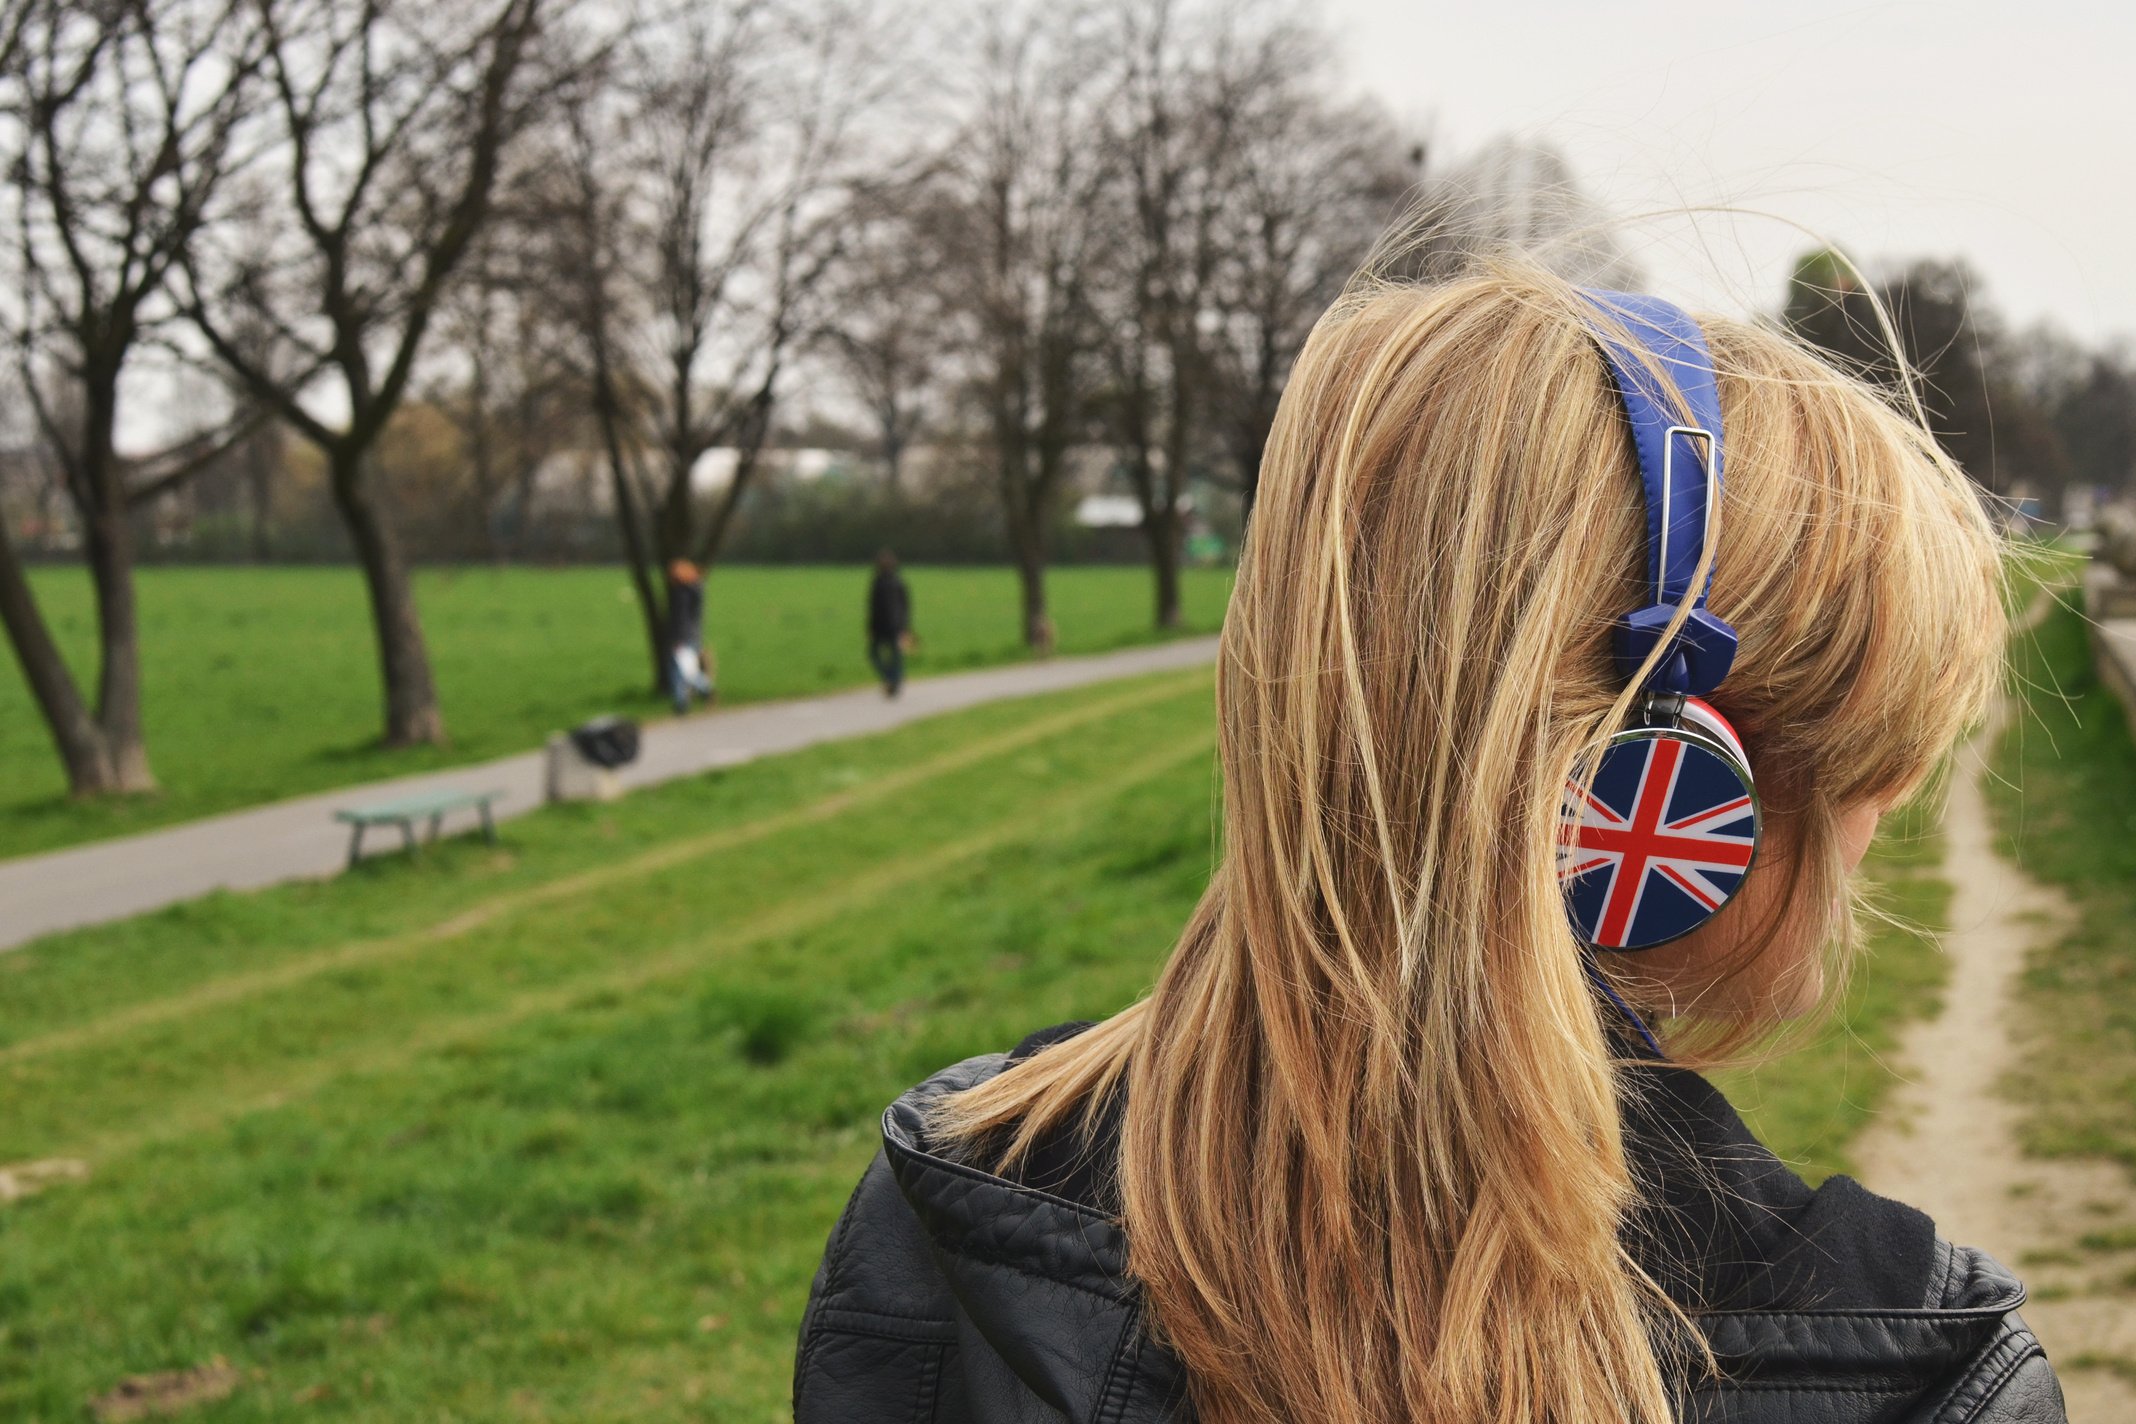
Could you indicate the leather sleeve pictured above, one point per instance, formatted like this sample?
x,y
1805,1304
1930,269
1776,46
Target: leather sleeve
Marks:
x,y
879,1335
2009,1382
2032,1395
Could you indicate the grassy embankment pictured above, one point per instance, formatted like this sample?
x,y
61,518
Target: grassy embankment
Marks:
x,y
557,1130
263,683
2065,803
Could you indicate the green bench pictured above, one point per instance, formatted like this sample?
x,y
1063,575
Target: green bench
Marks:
x,y
430,805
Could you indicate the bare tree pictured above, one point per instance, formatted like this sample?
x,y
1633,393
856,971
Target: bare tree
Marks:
x,y
888,333
393,118
1242,200
122,121
2095,416
581,206
505,384
1952,355
1192,83
1313,183
708,186
1023,184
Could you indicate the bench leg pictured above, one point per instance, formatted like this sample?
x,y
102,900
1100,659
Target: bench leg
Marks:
x,y
489,825
436,821
415,847
355,843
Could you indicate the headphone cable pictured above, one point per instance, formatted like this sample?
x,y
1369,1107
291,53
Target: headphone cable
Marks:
x,y
1631,1016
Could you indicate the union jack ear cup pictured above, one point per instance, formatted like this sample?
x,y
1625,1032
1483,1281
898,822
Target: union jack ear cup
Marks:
x,y
1662,835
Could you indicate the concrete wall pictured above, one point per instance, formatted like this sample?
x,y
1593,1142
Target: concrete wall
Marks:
x,y
2111,606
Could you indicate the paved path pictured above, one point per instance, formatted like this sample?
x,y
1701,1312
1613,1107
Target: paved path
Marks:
x,y
298,839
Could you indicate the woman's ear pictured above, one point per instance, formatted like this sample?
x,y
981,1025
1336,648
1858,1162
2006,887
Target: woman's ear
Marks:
x,y
1857,828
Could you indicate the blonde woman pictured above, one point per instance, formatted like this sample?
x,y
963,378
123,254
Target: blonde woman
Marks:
x,y
1397,1139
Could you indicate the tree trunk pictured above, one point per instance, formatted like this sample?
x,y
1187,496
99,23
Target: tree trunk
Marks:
x,y
103,753
82,749
608,418
893,462
1162,527
482,458
1022,508
481,444
643,581
108,542
750,435
411,697
890,424
674,521
1031,579
528,468
1161,516
262,452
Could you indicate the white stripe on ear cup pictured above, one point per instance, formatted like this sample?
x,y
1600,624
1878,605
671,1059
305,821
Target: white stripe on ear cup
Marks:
x,y
1702,715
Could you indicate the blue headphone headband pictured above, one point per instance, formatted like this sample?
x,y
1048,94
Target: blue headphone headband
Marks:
x,y
1670,399
1660,833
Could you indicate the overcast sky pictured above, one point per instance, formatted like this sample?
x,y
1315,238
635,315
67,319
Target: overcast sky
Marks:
x,y
2002,133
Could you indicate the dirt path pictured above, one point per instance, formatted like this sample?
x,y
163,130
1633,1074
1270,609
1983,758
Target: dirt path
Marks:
x,y
1948,1142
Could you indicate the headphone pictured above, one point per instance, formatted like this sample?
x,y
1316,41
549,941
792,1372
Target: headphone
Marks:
x,y
1660,837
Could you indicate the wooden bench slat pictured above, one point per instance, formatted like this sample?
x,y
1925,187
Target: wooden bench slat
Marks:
x,y
409,809
427,804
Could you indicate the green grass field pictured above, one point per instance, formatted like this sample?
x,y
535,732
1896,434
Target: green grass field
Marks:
x,y
557,1130
2065,803
263,683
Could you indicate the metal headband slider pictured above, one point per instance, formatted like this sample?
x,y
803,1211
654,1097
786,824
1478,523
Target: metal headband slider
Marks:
x,y
1668,492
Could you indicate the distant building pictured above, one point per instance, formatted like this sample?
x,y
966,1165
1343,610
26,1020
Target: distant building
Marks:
x,y
715,468
1109,511
571,484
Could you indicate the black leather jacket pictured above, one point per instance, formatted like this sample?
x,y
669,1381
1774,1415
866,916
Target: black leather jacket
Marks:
x,y
952,1295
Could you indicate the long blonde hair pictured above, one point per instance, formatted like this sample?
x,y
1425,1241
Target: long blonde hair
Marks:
x,y
1371,1162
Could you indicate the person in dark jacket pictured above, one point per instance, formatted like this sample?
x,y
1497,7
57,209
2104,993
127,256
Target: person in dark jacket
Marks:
x,y
1401,1136
889,623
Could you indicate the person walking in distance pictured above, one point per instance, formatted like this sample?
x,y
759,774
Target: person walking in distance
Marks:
x,y
889,623
688,671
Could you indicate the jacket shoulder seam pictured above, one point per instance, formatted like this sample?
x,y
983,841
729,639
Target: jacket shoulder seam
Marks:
x,y
1122,1298
1785,1387
1998,1311
887,1325
2018,1346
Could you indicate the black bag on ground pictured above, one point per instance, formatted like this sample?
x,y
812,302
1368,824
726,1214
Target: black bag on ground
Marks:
x,y
607,742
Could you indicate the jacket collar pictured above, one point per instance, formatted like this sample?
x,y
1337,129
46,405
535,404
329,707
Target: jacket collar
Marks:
x,y
1920,1347
995,1240
1042,1279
